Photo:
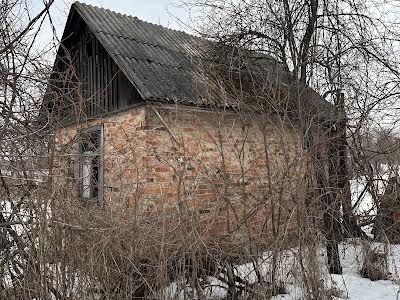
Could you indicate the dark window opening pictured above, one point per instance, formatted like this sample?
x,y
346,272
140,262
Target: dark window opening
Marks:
x,y
90,162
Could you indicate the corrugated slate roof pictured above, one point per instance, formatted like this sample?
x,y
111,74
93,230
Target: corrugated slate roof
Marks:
x,y
165,64
160,62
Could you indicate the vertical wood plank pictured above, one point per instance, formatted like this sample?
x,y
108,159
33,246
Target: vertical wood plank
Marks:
x,y
96,78
93,82
108,78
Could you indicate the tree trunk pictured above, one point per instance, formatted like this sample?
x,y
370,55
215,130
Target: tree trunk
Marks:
x,y
328,188
331,224
332,235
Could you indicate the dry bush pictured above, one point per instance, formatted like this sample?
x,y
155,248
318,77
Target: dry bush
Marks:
x,y
310,270
375,262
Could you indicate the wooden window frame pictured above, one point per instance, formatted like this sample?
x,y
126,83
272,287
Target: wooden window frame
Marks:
x,y
83,135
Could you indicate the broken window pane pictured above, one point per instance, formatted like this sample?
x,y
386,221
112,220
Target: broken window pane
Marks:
x,y
90,149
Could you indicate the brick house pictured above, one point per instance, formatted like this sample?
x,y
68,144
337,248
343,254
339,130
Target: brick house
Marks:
x,y
148,128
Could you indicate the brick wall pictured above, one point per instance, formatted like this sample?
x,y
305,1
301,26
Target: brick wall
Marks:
x,y
228,172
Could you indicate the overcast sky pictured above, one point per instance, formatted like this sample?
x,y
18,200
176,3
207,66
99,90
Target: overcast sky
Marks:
x,y
162,12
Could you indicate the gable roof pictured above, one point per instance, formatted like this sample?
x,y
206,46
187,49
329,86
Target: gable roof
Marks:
x,y
158,61
165,64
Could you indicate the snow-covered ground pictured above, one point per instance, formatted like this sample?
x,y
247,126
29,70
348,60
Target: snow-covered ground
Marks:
x,y
350,285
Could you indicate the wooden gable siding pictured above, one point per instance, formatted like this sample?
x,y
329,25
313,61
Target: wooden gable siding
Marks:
x,y
101,84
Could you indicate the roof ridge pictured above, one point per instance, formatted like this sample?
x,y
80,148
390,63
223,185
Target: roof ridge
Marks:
x,y
135,17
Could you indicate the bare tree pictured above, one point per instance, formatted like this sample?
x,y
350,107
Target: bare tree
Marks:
x,y
23,75
332,47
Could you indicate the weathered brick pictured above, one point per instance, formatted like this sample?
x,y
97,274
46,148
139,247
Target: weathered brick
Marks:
x,y
188,160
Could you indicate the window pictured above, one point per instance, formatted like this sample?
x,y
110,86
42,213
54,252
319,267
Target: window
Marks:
x,y
90,162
